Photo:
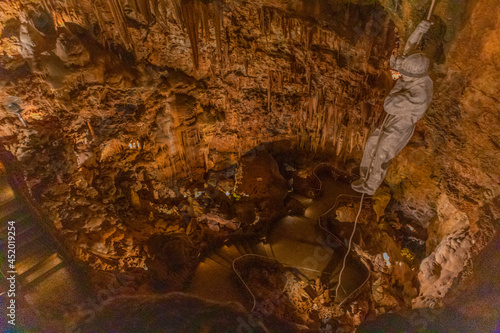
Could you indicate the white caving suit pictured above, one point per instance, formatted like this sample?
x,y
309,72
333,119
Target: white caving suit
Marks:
x,y
405,104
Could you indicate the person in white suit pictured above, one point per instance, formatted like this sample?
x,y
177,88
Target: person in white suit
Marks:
x,y
405,105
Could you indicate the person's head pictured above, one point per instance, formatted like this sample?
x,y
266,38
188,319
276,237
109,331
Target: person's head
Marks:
x,y
414,66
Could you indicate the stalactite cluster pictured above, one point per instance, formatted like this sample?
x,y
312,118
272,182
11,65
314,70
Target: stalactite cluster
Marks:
x,y
316,83
141,97
196,17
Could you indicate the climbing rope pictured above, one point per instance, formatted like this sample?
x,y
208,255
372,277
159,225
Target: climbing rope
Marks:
x,y
361,203
270,259
431,9
333,235
349,247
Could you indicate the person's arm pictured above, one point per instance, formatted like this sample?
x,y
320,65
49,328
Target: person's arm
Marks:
x,y
416,36
405,101
395,62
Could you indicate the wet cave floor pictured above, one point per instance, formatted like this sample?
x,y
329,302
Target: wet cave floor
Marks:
x,y
292,271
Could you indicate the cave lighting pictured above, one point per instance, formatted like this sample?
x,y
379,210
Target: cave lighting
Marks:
x,y
395,74
386,258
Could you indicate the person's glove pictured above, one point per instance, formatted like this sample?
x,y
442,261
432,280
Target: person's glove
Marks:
x,y
423,26
395,62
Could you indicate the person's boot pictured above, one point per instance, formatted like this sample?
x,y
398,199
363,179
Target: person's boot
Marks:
x,y
358,185
361,187
368,190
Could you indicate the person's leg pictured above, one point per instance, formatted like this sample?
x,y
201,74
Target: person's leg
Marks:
x,y
368,154
389,146
378,172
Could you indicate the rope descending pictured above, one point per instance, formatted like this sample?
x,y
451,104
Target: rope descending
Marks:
x,y
350,242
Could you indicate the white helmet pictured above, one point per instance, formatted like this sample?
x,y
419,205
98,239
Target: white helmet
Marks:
x,y
415,65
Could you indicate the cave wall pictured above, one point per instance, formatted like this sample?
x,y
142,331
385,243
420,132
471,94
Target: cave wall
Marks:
x,y
447,178
126,101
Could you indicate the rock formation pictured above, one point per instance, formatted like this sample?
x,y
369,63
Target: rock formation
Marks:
x,y
156,129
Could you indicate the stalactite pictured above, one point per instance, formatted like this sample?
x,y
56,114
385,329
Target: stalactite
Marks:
x,y
335,124
270,13
314,143
160,12
269,91
313,103
204,12
260,13
100,19
340,116
351,139
286,27
265,15
366,132
218,23
310,32
144,9
119,19
340,140
226,46
323,136
187,10
195,13
133,5
330,113
309,80
280,81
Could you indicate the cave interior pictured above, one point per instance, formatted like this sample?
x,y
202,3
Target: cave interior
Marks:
x,y
185,166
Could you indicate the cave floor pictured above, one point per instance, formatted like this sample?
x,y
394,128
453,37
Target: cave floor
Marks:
x,y
295,242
